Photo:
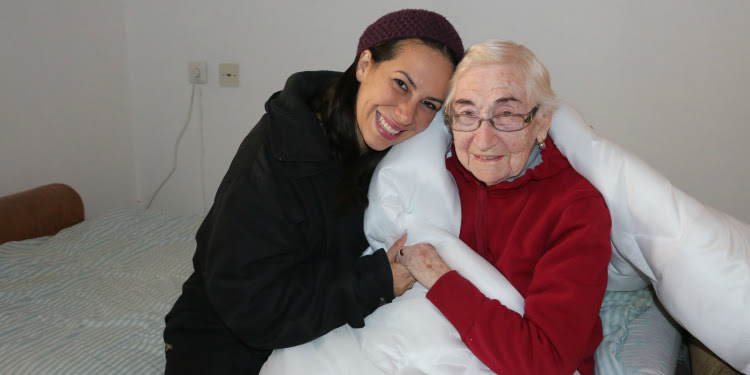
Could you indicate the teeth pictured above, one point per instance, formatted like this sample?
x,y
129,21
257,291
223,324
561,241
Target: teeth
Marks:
x,y
385,125
487,157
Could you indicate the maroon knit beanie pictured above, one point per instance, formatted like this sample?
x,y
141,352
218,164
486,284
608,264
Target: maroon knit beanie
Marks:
x,y
412,23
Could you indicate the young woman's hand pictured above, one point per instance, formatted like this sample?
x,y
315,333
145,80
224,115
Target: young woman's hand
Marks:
x,y
424,263
402,278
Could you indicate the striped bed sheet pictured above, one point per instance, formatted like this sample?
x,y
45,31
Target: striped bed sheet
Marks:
x,y
92,299
638,337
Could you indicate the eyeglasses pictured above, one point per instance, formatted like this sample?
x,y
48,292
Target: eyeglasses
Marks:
x,y
507,122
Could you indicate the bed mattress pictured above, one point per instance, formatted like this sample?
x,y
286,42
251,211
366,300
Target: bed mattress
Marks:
x,y
92,299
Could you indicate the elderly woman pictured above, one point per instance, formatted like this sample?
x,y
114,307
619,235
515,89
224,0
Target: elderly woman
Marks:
x,y
527,212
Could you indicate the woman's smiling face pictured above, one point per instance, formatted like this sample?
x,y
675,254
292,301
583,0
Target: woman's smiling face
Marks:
x,y
398,98
489,154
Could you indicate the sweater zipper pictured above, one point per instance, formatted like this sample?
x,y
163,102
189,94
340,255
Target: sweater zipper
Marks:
x,y
481,220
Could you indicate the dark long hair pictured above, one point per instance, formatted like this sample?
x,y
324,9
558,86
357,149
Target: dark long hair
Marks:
x,y
337,109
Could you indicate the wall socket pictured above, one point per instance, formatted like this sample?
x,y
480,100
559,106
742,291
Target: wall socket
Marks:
x,y
197,72
229,74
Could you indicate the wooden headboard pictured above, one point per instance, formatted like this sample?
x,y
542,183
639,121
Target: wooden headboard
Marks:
x,y
42,211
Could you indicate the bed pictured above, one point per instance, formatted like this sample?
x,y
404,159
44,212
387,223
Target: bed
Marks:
x,y
89,297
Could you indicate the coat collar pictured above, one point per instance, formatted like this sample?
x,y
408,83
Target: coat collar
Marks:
x,y
296,134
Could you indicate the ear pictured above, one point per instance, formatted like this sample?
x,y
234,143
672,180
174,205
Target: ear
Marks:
x,y
364,64
544,124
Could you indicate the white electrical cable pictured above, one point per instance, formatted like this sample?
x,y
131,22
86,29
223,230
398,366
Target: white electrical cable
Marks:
x,y
203,153
176,147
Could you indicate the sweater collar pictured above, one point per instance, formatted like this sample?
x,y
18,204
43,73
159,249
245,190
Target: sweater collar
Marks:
x,y
552,162
535,158
296,134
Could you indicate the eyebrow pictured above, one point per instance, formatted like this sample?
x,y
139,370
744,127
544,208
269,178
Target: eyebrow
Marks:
x,y
408,78
504,99
464,101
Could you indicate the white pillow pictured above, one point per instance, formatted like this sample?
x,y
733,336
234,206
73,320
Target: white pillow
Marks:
x,y
697,258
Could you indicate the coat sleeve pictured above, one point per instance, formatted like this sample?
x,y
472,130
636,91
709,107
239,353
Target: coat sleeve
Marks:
x,y
562,303
265,278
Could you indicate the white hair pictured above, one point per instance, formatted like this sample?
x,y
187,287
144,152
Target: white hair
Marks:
x,y
505,52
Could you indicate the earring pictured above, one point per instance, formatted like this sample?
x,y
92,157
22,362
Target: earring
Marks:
x,y
542,146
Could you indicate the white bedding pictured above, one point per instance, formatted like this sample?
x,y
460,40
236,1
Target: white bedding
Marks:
x,y
696,257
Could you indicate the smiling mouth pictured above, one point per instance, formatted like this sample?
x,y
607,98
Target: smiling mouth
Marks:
x,y
383,124
486,157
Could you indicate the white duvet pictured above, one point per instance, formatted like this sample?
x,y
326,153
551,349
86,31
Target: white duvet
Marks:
x,y
697,258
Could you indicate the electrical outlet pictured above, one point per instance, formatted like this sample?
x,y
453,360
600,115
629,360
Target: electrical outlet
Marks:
x,y
197,72
229,74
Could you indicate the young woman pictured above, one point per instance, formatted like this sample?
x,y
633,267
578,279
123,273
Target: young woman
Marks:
x,y
278,258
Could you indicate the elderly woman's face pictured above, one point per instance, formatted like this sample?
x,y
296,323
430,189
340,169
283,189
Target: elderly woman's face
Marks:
x,y
489,154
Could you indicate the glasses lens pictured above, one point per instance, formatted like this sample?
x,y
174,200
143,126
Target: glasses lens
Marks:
x,y
464,122
508,123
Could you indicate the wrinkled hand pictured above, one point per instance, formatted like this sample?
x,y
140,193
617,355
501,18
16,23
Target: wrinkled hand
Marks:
x,y
424,263
402,278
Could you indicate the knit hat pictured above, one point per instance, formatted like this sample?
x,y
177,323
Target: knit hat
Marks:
x,y
412,23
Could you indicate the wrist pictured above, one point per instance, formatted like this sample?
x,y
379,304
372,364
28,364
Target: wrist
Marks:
x,y
435,277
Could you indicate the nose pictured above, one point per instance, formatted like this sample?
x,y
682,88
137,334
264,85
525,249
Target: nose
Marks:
x,y
485,137
405,112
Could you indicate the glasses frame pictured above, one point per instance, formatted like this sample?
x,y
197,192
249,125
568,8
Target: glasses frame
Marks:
x,y
527,119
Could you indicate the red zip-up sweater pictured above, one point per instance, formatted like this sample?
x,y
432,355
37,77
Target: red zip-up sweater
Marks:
x,y
548,233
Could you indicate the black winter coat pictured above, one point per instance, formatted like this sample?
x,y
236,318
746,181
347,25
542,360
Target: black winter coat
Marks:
x,y
275,266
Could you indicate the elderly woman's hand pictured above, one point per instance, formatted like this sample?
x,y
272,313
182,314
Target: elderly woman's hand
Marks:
x,y
424,263
402,278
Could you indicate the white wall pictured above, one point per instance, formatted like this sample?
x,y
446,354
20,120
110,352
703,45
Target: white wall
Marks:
x,y
64,113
